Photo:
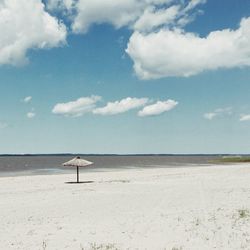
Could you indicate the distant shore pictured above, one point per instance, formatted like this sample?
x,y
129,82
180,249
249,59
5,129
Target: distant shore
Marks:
x,y
233,159
150,154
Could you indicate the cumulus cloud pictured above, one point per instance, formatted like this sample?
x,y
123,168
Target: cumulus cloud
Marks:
x,y
31,114
76,108
135,14
88,105
118,13
178,53
218,112
244,118
177,15
26,25
117,107
47,31
157,108
27,99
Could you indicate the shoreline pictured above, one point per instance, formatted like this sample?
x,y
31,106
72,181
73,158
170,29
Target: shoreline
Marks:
x,y
61,171
84,171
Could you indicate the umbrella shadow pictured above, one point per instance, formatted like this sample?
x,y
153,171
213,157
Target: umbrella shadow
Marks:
x,y
80,182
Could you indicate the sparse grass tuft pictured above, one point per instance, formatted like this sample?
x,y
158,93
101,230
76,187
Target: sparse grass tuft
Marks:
x,y
197,222
44,245
94,246
243,213
120,181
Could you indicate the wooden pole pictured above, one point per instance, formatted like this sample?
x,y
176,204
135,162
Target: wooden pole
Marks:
x,y
77,174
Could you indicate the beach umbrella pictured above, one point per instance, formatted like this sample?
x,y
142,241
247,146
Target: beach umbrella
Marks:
x,y
77,162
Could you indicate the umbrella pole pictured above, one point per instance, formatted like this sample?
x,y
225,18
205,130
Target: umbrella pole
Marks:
x,y
77,174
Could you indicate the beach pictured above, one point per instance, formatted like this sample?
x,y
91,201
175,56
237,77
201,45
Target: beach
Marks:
x,y
206,207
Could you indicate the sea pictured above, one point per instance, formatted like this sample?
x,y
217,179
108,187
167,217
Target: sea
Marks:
x,y
13,165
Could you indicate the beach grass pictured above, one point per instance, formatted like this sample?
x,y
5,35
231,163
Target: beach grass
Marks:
x,y
232,159
95,246
243,213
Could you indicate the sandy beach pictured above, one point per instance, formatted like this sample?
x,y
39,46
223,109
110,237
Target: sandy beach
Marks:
x,y
162,208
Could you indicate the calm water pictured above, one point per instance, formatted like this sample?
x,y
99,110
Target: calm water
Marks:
x,y
26,165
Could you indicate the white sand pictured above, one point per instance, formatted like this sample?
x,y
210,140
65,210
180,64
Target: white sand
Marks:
x,y
185,208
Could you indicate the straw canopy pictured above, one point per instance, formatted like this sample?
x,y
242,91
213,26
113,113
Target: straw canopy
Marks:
x,y
77,162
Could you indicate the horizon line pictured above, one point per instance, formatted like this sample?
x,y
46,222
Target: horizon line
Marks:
x,y
129,154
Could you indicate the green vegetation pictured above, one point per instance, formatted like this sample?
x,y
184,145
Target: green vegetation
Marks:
x,y
233,159
243,213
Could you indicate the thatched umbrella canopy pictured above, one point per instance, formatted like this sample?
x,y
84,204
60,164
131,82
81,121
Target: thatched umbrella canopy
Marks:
x,y
77,162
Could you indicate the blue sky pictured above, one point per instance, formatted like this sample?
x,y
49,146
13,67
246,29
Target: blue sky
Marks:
x,y
188,93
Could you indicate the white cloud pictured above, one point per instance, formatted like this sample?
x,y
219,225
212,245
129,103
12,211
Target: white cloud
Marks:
x,y
244,118
88,104
157,108
26,25
31,114
47,31
193,3
27,99
178,53
121,106
172,16
76,108
3,125
153,18
218,112
136,14
210,116
118,13
60,4
187,15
